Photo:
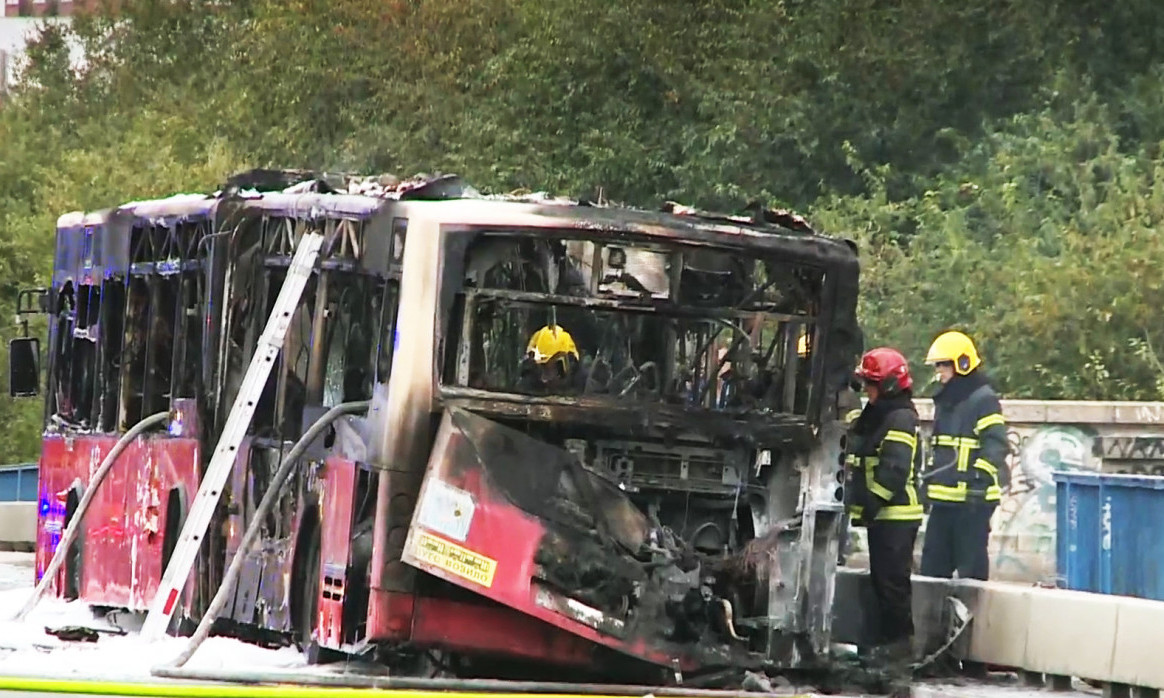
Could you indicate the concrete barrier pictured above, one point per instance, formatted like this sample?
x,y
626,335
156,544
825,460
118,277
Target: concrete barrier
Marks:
x,y
1055,632
17,525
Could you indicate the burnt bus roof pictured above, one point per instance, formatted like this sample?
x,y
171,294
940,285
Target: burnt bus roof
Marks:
x,y
673,220
314,205
804,246
171,210
774,229
95,245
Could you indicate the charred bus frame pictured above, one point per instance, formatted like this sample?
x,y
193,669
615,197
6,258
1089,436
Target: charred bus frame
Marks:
x,y
697,466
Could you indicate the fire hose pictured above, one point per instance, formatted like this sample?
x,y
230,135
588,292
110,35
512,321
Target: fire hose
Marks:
x,y
73,529
274,490
457,688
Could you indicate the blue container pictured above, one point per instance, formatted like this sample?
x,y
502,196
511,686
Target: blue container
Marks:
x,y
1110,533
18,482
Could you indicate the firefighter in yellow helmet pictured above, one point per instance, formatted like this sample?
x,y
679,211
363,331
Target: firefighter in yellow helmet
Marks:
x,y
551,361
967,472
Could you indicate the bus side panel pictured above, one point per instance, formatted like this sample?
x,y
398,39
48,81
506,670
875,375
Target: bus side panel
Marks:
x,y
175,463
124,529
107,572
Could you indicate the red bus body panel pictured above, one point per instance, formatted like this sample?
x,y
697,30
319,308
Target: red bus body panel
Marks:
x,y
335,548
475,537
124,529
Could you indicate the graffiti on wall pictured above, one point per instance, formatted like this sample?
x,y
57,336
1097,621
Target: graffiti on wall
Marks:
x,y
1135,453
1023,538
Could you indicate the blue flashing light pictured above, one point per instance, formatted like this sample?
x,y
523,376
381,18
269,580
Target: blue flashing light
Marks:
x,y
176,427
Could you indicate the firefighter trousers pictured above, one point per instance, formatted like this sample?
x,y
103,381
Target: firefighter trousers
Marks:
x,y
890,566
956,539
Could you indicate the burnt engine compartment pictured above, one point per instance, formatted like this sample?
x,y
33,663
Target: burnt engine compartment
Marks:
x,y
667,553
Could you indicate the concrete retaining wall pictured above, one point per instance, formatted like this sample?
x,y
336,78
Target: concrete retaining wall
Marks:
x,y
17,525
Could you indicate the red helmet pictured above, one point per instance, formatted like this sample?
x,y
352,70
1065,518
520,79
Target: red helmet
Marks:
x,y
887,368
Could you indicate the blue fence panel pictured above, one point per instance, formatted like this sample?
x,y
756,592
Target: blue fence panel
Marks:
x,y
1110,533
18,482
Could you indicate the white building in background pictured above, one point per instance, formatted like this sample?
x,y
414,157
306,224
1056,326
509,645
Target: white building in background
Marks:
x,y
18,22
43,8
14,35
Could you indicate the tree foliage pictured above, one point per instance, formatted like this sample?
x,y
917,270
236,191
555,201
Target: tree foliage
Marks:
x,y
1042,244
998,162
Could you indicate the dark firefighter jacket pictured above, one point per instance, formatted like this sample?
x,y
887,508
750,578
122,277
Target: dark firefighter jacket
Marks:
x,y
883,459
968,445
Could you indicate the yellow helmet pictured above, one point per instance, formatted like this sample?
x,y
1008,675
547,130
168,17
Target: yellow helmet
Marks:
x,y
549,342
955,347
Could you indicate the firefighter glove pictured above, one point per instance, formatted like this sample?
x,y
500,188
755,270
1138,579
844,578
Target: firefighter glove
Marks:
x,y
871,509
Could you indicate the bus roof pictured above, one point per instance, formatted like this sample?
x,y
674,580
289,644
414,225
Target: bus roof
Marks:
x,y
704,229
314,204
180,207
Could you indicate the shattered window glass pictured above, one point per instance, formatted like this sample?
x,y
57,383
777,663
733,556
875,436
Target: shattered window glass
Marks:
x,y
151,324
137,315
111,331
61,392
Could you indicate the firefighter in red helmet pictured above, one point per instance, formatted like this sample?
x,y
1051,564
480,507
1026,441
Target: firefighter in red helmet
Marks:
x,y
882,460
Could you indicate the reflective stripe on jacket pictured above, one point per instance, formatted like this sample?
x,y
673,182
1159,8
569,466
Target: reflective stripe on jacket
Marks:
x,y
969,448
883,462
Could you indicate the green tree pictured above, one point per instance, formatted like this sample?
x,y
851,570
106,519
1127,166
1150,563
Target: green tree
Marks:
x,y
1042,244
997,161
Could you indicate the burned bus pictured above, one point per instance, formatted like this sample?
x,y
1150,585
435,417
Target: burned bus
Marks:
x,y
594,436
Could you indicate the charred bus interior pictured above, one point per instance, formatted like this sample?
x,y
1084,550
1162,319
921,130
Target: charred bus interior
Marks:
x,y
337,347
694,372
